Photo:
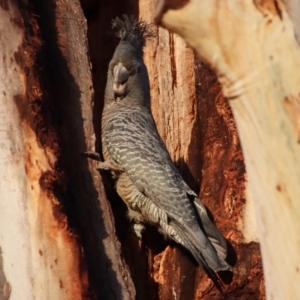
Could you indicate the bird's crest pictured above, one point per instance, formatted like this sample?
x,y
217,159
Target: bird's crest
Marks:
x,y
131,30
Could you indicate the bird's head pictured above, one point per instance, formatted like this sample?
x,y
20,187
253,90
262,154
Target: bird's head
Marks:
x,y
127,80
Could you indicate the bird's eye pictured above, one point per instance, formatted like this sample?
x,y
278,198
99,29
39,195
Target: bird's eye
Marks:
x,y
138,69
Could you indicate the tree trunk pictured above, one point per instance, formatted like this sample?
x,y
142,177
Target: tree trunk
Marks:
x,y
252,46
57,228
57,231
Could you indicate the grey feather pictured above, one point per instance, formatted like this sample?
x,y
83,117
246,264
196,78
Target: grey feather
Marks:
x,y
150,184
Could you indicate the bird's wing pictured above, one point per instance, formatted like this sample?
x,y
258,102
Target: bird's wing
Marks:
x,y
133,141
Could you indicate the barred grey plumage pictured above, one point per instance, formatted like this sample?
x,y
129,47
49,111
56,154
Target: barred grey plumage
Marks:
x,y
146,178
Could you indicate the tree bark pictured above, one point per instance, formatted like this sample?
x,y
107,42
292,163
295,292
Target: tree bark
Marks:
x,y
252,47
39,252
57,229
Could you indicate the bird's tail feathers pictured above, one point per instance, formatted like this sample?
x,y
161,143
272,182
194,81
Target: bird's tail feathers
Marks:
x,y
211,231
132,30
200,246
194,251
221,251
208,249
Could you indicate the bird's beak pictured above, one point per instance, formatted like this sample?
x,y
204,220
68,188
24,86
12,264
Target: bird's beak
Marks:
x,y
121,76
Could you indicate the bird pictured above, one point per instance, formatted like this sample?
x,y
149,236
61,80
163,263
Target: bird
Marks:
x,y
145,177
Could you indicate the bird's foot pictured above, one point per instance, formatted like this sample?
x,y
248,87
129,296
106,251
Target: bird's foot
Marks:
x,y
109,165
137,229
104,165
92,155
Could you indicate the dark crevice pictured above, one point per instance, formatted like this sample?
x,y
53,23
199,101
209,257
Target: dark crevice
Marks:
x,y
173,63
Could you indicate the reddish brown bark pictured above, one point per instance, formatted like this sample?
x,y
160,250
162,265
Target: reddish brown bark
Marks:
x,y
52,244
72,239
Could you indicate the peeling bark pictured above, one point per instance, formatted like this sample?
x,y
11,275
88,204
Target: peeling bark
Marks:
x,y
70,85
53,202
37,245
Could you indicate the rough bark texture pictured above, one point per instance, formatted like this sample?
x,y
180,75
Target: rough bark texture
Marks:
x,y
42,258
70,83
57,229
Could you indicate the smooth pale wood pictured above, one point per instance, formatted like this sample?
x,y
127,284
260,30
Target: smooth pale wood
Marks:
x,y
257,59
293,9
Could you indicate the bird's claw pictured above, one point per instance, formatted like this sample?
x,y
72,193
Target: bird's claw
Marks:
x,y
92,155
103,165
109,165
137,229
